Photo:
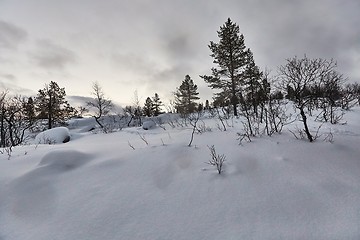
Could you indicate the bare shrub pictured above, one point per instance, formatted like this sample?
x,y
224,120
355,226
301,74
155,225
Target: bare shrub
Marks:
x,y
329,137
194,118
216,159
101,105
7,151
142,137
130,145
301,133
203,128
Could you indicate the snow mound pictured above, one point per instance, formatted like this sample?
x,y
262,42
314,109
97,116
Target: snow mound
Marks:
x,y
86,129
99,187
33,197
148,125
64,160
53,136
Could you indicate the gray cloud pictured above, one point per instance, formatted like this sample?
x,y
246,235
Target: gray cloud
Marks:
x,y
8,77
282,29
51,56
78,100
133,62
154,44
154,76
81,101
13,88
10,35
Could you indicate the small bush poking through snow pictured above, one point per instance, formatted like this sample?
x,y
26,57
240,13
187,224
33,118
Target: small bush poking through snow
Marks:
x,y
216,159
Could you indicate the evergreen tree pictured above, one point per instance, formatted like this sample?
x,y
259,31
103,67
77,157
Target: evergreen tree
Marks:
x,y
185,96
148,107
207,105
156,105
29,110
252,87
51,103
231,57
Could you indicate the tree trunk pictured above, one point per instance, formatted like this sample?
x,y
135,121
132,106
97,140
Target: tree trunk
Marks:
x,y
50,113
98,122
235,109
308,134
2,130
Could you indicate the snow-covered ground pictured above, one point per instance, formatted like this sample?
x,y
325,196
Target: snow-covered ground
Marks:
x,y
115,186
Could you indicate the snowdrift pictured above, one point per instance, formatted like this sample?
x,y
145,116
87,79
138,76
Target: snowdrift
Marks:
x,y
53,136
98,187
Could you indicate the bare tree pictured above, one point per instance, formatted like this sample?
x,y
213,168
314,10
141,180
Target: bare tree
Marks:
x,y
101,105
350,95
134,111
2,118
193,118
15,120
299,77
137,108
329,93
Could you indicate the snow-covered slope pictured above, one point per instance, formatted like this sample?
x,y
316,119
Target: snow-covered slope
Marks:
x,y
115,186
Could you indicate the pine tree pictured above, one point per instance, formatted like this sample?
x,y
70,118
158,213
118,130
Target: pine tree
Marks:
x,y
51,103
252,89
185,96
156,105
231,57
207,105
148,107
29,110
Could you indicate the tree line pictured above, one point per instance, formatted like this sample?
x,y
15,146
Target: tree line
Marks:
x,y
241,89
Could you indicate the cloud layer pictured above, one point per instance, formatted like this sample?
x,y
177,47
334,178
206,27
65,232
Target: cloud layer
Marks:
x,y
150,46
10,35
51,56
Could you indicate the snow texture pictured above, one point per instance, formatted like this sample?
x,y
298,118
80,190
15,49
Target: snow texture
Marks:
x,y
98,187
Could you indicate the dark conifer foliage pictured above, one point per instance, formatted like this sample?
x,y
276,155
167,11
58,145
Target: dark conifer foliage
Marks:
x,y
231,58
185,96
157,103
148,107
51,104
253,89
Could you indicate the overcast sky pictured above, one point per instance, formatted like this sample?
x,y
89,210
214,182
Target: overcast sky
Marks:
x,y
150,45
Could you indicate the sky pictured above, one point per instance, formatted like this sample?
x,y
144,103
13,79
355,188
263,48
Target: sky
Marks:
x,y
148,46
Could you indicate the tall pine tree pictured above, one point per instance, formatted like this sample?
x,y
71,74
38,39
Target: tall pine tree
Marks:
x,y
231,57
185,97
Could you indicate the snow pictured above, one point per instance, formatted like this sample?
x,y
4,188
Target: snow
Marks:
x,y
53,136
98,187
148,125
